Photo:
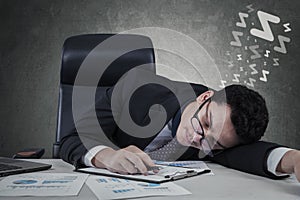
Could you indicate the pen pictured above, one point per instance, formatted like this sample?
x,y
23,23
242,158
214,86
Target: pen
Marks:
x,y
181,174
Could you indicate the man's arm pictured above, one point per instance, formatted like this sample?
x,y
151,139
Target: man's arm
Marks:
x,y
250,158
119,160
290,163
87,134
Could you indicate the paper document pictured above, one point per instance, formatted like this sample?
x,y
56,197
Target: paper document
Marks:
x,y
42,184
186,163
166,173
115,188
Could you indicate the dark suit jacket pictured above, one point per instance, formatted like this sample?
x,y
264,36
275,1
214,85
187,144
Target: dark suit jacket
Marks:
x,y
132,115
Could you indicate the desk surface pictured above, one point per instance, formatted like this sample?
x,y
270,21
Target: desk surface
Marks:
x,y
225,184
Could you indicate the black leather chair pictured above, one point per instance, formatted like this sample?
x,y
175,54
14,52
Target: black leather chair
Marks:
x,y
75,50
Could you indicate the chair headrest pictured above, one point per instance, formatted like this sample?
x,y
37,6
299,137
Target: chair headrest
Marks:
x,y
76,49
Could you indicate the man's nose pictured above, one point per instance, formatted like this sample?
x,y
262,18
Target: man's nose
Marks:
x,y
197,137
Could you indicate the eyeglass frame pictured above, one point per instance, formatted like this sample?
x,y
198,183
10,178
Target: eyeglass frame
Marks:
x,y
211,153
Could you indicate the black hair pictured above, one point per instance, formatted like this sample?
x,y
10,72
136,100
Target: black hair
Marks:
x,y
249,113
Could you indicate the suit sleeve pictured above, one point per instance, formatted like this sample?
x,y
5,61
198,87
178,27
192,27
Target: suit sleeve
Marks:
x,y
251,158
88,133
97,124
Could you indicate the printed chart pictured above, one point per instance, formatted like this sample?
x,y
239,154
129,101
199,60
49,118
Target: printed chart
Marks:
x,y
114,188
42,184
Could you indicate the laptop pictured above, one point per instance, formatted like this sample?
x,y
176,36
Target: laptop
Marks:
x,y
10,166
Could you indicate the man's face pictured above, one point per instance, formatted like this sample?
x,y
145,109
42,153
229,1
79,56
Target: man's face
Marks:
x,y
215,120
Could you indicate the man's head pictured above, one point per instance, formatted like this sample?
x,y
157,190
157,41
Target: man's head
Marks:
x,y
249,114
232,116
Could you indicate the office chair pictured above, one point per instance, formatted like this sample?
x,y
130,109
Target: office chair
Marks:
x,y
75,50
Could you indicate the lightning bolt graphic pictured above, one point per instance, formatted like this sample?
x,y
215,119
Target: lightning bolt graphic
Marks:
x,y
255,52
282,48
230,64
267,53
250,9
242,17
276,61
251,82
254,71
236,78
237,41
239,57
264,19
222,84
287,28
264,77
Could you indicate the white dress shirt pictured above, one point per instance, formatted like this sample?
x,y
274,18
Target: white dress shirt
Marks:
x,y
273,159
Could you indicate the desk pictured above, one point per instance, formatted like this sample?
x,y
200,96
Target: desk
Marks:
x,y
226,184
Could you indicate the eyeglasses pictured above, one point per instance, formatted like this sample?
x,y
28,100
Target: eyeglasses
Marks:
x,y
198,128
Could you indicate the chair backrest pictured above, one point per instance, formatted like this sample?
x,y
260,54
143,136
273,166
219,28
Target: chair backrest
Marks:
x,y
75,50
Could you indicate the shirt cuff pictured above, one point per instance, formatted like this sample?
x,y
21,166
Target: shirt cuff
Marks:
x,y
274,158
91,154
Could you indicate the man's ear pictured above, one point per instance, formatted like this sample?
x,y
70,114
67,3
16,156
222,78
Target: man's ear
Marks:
x,y
205,95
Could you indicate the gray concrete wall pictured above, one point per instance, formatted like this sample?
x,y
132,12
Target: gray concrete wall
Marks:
x,y
33,31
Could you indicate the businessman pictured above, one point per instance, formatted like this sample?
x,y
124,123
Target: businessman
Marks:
x,y
144,116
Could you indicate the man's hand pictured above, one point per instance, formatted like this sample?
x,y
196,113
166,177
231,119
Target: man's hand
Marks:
x,y
290,163
128,160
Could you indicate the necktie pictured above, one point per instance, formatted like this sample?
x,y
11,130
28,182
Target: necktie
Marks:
x,y
164,137
164,147
168,152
